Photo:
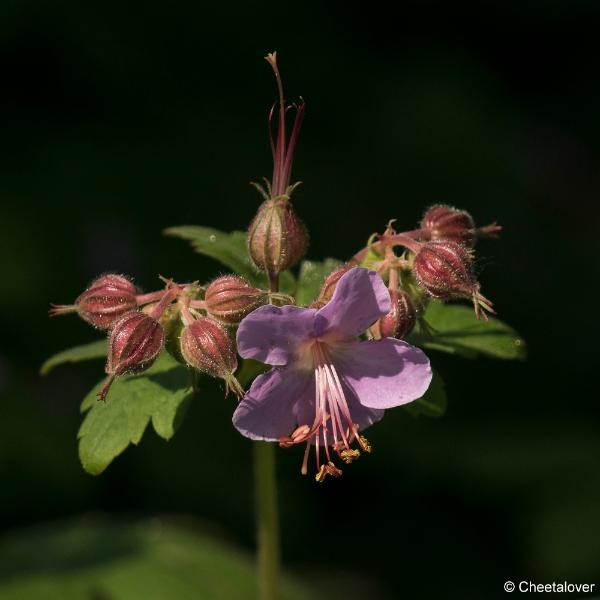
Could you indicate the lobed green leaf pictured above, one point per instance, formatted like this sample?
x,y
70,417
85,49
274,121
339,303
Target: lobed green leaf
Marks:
x,y
457,331
230,250
227,248
160,395
77,354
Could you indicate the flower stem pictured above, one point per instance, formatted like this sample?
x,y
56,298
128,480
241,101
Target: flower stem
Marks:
x,y
267,520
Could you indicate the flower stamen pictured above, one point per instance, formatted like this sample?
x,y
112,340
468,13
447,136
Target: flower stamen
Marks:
x,y
331,411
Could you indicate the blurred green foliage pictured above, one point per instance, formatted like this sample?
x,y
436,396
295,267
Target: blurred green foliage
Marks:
x,y
96,559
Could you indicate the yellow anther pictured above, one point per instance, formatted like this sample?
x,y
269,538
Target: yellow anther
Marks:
x,y
349,455
320,476
332,470
364,444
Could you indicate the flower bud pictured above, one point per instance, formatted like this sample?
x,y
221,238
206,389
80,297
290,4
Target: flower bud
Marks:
x,y
398,323
330,282
108,298
230,298
206,346
446,223
135,341
445,270
277,238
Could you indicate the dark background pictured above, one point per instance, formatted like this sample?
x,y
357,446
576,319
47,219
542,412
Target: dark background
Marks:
x,y
117,120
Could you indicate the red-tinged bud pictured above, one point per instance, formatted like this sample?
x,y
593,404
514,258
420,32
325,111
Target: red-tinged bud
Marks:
x,y
443,222
277,238
230,298
108,298
135,341
206,346
399,322
330,282
445,270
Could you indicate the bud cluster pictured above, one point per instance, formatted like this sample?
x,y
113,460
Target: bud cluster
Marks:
x,y
140,325
437,262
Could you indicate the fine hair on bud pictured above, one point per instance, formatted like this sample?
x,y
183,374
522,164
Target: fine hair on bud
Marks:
x,y
442,222
230,298
277,238
401,318
134,342
106,299
445,270
206,346
330,282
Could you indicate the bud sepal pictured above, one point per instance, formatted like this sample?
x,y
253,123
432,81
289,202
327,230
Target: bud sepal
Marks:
x,y
135,341
106,299
206,346
230,298
445,270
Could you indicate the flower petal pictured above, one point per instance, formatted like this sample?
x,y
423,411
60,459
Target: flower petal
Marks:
x,y
361,415
383,373
273,334
267,411
360,298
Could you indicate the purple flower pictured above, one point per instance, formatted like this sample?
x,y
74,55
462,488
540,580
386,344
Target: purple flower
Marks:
x,y
327,385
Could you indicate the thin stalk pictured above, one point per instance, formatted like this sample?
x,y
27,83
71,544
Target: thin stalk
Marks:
x,y
398,239
267,520
149,297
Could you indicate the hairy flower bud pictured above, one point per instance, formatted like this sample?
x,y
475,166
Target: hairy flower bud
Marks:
x,y
445,270
330,282
277,238
205,345
135,341
230,298
103,302
398,323
447,223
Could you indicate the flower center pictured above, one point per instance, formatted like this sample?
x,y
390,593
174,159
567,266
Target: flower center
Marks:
x,y
333,424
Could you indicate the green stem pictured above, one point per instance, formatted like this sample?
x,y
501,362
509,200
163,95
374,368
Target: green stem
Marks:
x,y
266,520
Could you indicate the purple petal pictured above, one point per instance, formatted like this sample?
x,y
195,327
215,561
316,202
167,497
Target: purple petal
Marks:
x,y
362,415
383,373
360,298
273,334
267,411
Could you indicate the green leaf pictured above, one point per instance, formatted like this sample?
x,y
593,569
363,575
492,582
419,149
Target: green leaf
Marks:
x,y
230,250
76,354
457,331
433,403
156,559
161,395
312,274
